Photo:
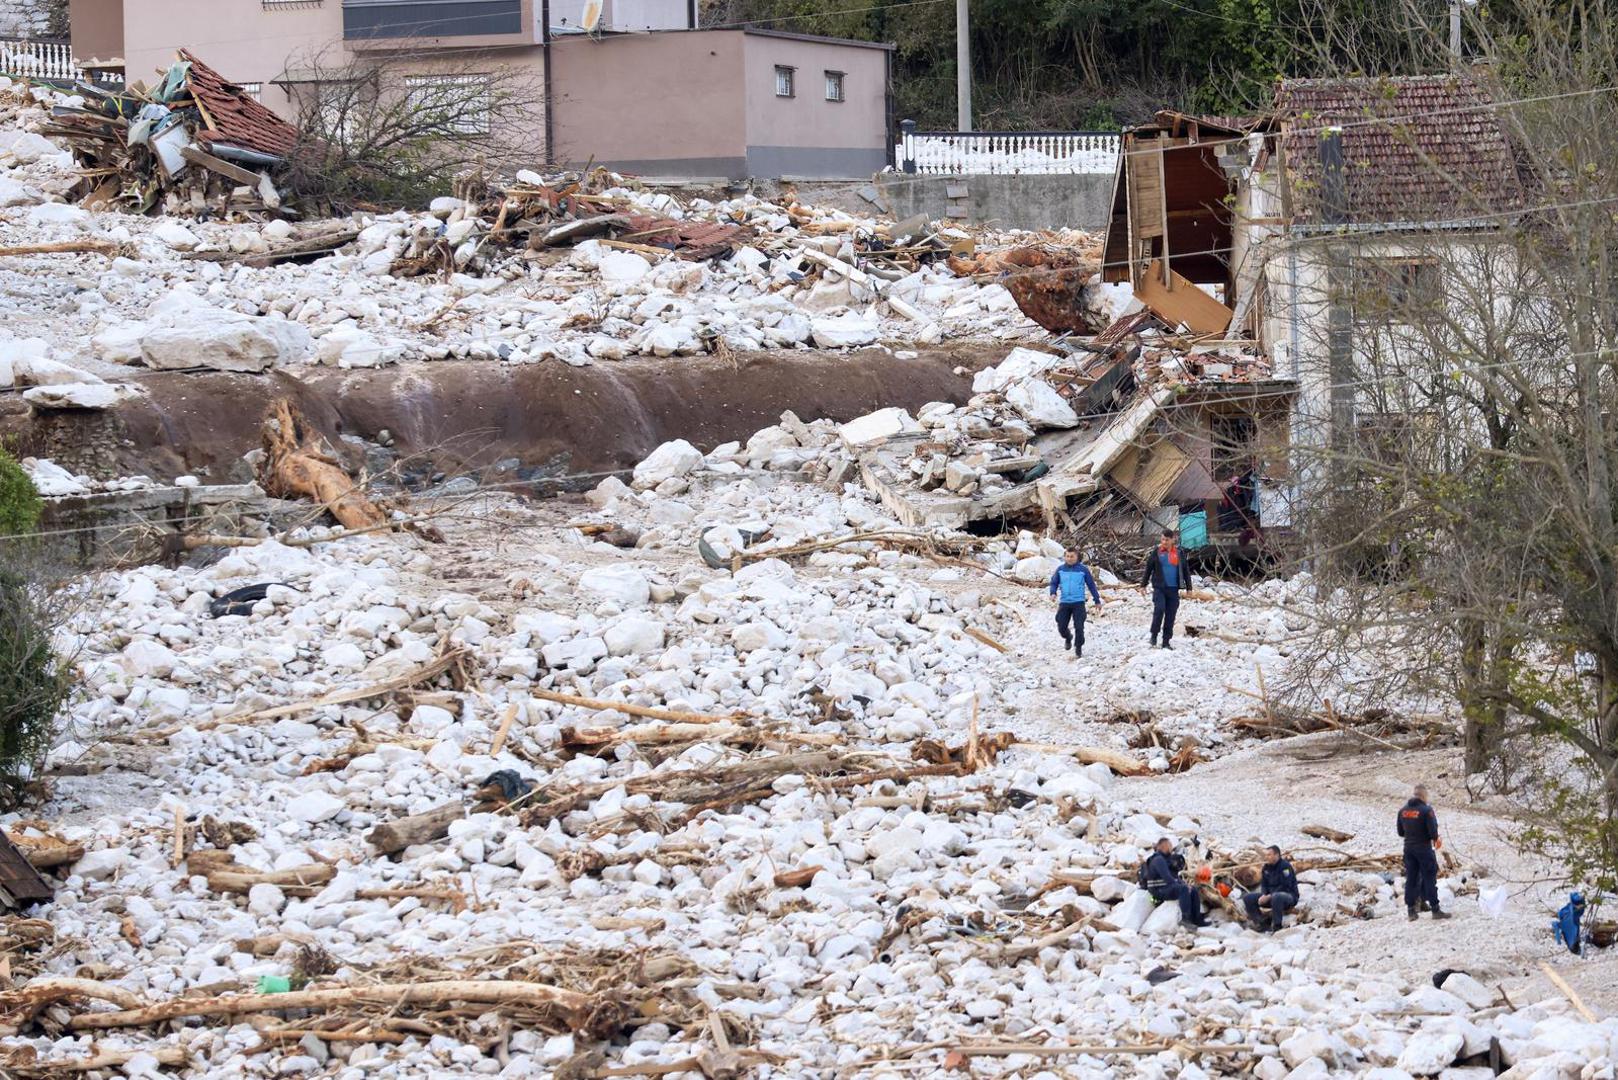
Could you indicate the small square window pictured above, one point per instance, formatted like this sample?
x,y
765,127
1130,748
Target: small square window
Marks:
x,y
783,81
834,86
253,90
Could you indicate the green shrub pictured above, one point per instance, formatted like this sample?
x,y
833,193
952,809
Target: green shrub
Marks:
x,y
19,502
35,682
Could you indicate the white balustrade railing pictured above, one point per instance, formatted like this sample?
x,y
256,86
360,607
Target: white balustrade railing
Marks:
x,y
46,60
968,153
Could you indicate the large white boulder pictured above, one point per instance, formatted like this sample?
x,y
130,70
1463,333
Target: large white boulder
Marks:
x,y
351,347
177,236
1164,919
1430,1052
621,585
1018,365
1134,911
872,428
846,331
670,460
24,147
1040,405
200,335
85,395
623,267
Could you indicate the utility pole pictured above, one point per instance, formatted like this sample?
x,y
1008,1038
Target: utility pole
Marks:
x,y
963,67
1455,28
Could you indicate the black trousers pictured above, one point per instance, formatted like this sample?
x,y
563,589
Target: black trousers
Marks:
x,y
1421,876
1071,615
1280,904
1165,605
1179,892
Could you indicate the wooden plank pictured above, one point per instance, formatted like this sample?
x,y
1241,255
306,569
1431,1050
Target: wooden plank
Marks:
x,y
198,156
1181,302
1146,204
1148,473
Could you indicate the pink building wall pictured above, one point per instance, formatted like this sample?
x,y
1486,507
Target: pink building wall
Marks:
x,y
806,135
703,104
653,104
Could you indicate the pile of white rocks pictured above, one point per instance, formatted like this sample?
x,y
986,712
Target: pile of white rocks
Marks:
x,y
919,923
158,305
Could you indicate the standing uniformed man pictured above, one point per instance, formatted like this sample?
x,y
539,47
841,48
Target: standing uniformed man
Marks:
x,y
1418,825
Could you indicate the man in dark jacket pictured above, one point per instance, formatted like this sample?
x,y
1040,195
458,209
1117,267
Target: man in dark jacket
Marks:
x,y
1418,826
1161,876
1277,890
1167,576
1068,585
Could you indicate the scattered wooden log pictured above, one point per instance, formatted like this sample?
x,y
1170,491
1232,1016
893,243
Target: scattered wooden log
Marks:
x,y
632,710
167,1056
109,248
294,881
297,463
1119,762
394,836
424,673
1322,832
582,1013
796,879
19,1006
46,852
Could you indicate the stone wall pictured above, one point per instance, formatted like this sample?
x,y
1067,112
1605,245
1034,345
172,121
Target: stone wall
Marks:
x,y
33,18
1028,201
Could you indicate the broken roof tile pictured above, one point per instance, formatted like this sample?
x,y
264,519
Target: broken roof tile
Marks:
x,y
1416,149
234,118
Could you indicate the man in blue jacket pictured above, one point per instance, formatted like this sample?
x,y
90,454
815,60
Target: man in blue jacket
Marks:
x,y
1167,576
1068,585
1277,890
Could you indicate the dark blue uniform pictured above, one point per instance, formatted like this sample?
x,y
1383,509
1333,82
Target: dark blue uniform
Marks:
x,y
1280,883
1162,879
1418,825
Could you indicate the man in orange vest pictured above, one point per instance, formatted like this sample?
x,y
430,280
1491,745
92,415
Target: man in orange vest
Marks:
x,y
1168,577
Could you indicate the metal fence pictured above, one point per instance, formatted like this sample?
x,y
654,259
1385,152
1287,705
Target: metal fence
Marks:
x,y
1002,153
47,60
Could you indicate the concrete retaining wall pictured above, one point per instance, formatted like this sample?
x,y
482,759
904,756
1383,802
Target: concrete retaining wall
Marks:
x,y
1082,201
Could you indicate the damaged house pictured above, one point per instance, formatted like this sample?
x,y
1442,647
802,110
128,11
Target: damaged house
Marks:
x,y
1307,233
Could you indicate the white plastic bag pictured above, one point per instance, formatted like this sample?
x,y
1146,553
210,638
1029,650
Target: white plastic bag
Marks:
x,y
1493,901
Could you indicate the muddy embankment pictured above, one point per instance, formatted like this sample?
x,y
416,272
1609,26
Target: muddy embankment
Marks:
x,y
457,418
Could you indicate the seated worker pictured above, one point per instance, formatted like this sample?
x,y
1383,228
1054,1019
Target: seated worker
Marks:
x,y
1277,890
1160,876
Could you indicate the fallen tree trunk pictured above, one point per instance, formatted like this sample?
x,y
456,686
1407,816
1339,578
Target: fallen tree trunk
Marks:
x,y
430,670
423,828
583,1013
108,248
297,463
632,710
297,880
167,1056
1119,762
17,1007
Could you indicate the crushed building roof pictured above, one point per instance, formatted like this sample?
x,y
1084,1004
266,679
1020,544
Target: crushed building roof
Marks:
x,y
1416,149
233,118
